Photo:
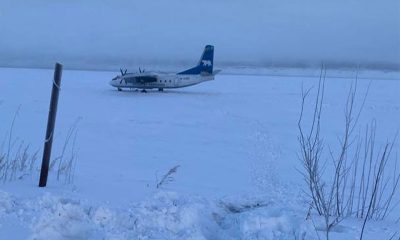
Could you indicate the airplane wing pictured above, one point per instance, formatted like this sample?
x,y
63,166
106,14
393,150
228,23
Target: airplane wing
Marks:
x,y
215,72
146,79
141,79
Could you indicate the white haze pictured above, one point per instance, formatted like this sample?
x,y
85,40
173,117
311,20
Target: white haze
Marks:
x,y
106,34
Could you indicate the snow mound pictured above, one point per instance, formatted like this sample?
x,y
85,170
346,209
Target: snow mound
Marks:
x,y
7,203
166,215
62,219
262,218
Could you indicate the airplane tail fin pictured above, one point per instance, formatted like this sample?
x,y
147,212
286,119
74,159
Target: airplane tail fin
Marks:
x,y
205,65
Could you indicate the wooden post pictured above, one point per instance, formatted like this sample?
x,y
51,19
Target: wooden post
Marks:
x,y
50,125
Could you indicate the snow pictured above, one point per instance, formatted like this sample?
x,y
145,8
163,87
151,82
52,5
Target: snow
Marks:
x,y
235,140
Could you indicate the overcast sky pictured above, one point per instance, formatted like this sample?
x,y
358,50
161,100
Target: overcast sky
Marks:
x,y
244,32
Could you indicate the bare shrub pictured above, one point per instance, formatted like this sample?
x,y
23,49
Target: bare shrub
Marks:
x,y
66,161
15,159
359,186
395,236
168,177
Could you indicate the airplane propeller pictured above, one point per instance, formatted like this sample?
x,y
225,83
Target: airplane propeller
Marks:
x,y
123,73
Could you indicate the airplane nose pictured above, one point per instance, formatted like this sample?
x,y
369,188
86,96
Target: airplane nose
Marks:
x,y
113,81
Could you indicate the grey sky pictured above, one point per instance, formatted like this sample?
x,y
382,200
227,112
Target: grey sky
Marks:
x,y
167,32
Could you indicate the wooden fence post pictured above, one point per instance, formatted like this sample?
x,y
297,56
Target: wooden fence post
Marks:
x,y
50,125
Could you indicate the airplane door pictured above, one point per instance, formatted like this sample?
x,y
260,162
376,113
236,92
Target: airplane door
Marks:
x,y
177,81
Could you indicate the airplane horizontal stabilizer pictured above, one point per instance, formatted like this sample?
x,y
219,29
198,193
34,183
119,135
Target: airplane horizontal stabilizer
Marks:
x,y
215,72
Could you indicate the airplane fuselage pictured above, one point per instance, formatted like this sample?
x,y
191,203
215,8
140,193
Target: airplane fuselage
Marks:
x,y
160,81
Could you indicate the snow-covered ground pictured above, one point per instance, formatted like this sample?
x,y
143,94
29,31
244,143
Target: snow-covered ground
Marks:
x,y
234,139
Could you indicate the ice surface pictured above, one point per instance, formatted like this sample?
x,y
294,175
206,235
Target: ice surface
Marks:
x,y
234,138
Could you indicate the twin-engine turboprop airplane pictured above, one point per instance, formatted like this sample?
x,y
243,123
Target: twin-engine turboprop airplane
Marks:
x,y
149,80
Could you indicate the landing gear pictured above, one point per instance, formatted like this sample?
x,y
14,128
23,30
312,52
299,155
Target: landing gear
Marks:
x,y
119,89
161,89
144,91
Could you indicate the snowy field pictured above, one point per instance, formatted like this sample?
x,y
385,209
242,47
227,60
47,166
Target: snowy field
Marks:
x,y
234,139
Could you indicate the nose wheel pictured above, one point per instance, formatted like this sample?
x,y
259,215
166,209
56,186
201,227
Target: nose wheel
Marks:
x,y
143,91
119,89
161,89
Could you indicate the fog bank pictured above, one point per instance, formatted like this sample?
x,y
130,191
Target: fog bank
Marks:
x,y
106,34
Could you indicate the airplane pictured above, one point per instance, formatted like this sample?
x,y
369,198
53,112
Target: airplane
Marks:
x,y
150,80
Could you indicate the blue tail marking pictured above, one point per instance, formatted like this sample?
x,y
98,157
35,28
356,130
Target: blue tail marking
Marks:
x,y
205,65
